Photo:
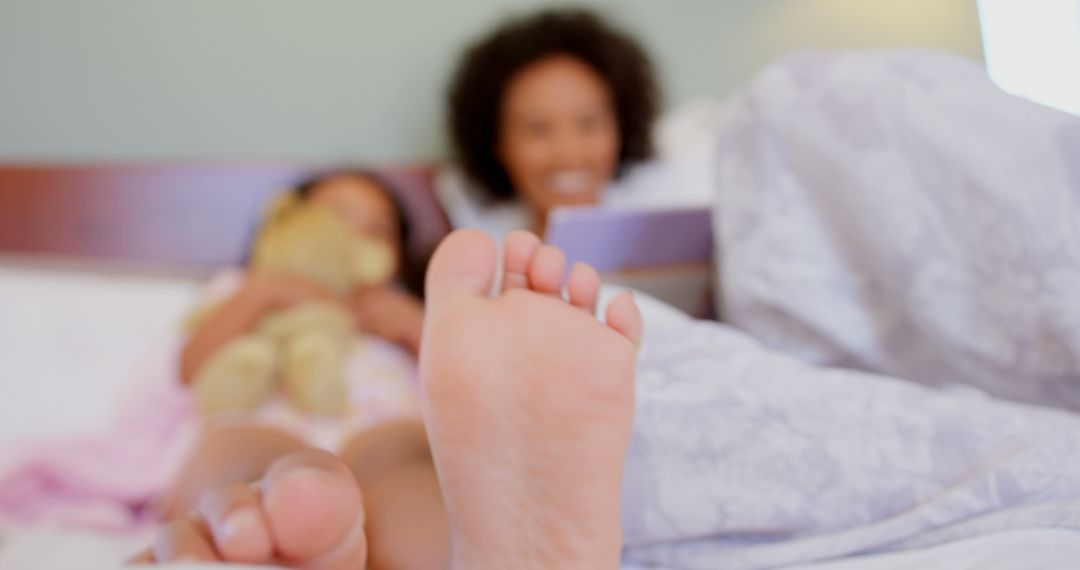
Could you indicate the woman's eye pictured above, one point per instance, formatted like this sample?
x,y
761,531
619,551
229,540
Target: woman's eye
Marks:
x,y
591,123
537,130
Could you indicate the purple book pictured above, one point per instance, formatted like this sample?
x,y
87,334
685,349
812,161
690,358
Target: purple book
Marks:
x,y
620,239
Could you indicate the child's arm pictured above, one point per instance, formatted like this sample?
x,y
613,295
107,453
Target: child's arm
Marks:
x,y
390,313
260,294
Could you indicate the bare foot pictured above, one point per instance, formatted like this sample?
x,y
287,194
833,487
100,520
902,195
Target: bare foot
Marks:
x,y
306,513
528,405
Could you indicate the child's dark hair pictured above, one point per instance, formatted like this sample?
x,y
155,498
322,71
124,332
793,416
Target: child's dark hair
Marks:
x,y
487,68
412,270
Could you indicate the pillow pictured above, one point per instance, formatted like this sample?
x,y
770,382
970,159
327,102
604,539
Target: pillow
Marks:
x,y
72,340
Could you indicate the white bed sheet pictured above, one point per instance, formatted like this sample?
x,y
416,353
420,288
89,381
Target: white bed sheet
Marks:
x,y
70,341
1049,549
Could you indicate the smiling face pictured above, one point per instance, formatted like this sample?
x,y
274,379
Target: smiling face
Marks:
x,y
558,135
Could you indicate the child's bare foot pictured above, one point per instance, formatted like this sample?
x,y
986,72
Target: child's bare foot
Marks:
x,y
305,513
529,402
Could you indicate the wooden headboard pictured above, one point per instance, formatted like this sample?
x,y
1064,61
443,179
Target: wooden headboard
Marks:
x,y
167,216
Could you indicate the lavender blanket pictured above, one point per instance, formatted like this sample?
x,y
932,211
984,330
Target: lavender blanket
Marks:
x,y
893,213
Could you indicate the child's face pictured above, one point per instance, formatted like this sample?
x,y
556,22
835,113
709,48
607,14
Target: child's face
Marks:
x,y
365,207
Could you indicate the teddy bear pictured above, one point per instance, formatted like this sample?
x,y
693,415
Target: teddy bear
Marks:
x,y
300,350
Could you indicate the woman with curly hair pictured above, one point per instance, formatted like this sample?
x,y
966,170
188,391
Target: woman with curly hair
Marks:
x,y
546,111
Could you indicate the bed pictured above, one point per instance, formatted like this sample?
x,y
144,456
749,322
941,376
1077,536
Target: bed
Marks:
x,y
116,253
100,262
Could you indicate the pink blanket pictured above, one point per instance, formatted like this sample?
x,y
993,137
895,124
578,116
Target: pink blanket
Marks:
x,y
112,480
106,481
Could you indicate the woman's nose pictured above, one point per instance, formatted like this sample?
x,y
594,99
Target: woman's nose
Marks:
x,y
568,148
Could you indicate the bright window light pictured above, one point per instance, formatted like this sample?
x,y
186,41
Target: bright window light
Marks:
x,y
1033,49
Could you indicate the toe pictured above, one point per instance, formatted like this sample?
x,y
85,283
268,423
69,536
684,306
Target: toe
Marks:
x,y
583,287
315,514
623,316
518,252
186,540
463,265
236,522
547,270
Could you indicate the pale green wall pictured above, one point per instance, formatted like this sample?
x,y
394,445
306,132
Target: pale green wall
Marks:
x,y
336,79
716,46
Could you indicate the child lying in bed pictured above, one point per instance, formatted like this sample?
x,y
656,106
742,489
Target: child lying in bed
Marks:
x,y
383,441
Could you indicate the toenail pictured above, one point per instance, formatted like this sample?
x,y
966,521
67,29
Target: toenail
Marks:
x,y
238,522
305,476
308,473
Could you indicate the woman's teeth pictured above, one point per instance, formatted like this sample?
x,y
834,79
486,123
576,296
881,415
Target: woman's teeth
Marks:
x,y
576,182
